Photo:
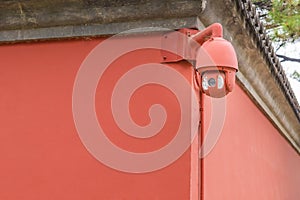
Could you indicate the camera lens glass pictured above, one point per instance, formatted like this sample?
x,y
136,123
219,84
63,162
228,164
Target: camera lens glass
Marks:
x,y
212,82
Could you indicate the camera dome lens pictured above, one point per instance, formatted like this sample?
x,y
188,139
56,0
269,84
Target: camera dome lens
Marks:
x,y
212,82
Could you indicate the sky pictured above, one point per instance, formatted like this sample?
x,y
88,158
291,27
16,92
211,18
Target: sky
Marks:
x,y
292,50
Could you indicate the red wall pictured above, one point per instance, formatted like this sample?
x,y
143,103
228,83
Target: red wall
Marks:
x,y
251,159
42,157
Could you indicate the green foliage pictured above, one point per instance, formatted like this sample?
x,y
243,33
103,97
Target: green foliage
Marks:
x,y
284,17
295,75
281,17
282,21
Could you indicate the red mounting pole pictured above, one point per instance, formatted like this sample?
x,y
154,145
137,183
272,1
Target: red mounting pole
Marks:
x,y
214,30
201,138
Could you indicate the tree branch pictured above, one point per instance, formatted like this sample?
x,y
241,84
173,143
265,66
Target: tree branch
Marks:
x,y
281,45
286,58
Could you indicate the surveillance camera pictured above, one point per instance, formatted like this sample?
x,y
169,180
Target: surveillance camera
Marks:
x,y
216,63
217,83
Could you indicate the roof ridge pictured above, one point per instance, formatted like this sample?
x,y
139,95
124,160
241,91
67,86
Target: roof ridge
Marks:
x,y
257,30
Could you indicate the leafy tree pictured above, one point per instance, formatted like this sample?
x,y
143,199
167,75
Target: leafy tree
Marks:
x,y
281,17
282,21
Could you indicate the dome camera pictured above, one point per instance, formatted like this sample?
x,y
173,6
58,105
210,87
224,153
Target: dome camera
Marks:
x,y
217,64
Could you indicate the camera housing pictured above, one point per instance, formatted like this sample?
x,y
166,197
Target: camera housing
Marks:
x,y
217,64
213,57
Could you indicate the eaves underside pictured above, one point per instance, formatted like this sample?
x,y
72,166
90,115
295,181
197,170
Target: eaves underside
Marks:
x,y
260,72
